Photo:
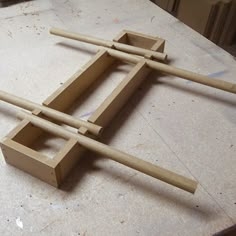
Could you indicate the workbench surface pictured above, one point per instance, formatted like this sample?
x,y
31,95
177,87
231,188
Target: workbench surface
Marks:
x,y
180,125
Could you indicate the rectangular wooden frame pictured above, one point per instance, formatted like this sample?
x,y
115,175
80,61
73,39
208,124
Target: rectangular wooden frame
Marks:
x,y
16,145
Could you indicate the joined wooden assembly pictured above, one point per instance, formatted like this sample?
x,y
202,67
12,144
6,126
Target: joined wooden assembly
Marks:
x,y
114,154
188,75
49,112
107,43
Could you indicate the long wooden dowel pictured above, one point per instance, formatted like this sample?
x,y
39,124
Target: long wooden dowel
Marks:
x,y
171,70
114,154
49,112
107,43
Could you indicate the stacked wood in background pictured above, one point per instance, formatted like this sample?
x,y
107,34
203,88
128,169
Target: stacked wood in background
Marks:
x,y
215,19
228,35
168,5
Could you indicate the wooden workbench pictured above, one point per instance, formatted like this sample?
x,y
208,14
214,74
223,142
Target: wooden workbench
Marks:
x,y
177,124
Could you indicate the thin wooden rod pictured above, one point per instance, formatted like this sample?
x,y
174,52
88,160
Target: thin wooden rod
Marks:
x,y
188,75
49,112
171,70
114,154
107,43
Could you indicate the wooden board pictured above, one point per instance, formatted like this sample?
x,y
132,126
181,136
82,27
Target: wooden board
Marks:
x,y
224,8
228,32
196,14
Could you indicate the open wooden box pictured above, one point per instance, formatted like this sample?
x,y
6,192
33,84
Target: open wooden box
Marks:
x,y
17,147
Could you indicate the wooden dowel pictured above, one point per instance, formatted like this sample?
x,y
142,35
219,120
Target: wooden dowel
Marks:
x,y
114,154
107,43
188,75
49,112
198,78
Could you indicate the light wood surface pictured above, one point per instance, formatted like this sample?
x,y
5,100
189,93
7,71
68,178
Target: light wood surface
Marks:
x,y
29,160
114,154
71,90
49,112
107,43
119,96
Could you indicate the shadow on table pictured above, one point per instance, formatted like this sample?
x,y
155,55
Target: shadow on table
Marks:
x,y
217,98
88,166
231,231
7,3
71,46
153,190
